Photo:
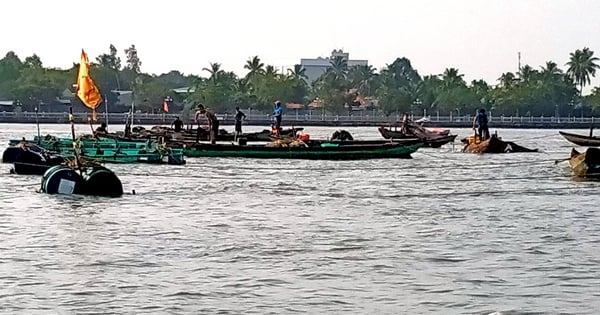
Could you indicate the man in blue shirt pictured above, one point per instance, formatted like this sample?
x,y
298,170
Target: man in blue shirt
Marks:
x,y
278,113
481,121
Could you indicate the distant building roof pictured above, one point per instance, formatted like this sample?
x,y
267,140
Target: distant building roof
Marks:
x,y
121,92
316,67
294,106
184,90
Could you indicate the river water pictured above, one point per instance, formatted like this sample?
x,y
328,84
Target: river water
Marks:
x,y
442,233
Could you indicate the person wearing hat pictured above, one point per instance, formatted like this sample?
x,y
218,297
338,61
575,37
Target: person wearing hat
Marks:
x,y
239,116
213,123
277,112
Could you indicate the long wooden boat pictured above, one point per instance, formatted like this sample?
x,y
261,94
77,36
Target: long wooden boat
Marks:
x,y
189,135
429,138
492,145
318,150
585,164
108,150
586,141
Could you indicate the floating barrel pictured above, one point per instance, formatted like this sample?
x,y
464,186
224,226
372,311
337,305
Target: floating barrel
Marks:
x,y
100,181
62,179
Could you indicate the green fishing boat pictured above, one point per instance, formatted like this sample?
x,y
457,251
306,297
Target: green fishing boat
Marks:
x,y
315,150
111,150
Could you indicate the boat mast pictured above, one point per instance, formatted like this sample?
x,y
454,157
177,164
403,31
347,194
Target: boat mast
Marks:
x,y
106,109
37,122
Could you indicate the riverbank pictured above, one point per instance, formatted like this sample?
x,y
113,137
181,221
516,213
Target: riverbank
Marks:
x,y
305,120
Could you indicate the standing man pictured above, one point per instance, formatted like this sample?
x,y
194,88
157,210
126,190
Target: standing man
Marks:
x,y
239,116
277,112
178,124
213,123
481,121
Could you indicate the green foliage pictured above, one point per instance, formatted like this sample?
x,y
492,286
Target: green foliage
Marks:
x,y
593,100
150,94
582,64
175,79
332,88
133,62
36,85
33,61
397,88
111,60
218,91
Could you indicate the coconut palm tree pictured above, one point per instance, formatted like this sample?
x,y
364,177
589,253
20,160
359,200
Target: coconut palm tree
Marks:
x,y
551,68
362,77
526,73
298,72
507,79
452,78
255,66
215,71
270,71
339,66
582,64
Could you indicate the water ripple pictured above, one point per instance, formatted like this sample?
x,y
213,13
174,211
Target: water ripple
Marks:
x,y
442,233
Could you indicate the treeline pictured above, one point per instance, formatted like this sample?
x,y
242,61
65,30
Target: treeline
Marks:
x,y
398,87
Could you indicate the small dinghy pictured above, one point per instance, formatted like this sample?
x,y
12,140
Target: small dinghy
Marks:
x,y
492,145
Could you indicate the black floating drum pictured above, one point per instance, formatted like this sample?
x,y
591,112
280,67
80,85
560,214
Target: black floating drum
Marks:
x,y
100,181
62,179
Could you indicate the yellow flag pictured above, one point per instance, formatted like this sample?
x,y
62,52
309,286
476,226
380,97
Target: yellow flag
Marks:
x,y
87,91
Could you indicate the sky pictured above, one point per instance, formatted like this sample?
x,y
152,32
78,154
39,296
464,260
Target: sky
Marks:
x,y
481,38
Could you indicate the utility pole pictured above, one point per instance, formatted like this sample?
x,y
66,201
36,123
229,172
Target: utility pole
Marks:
x,y
519,54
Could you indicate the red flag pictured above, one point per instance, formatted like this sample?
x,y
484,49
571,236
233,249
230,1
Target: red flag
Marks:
x,y
165,106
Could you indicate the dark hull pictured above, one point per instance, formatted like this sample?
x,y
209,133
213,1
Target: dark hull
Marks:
x,y
323,151
431,140
30,169
495,145
31,159
585,141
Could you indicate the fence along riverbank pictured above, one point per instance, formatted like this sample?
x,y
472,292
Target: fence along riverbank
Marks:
x,y
289,119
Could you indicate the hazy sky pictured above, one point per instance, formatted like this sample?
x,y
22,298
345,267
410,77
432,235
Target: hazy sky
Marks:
x,y
479,37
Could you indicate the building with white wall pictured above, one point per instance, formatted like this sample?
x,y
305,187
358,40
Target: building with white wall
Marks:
x,y
316,67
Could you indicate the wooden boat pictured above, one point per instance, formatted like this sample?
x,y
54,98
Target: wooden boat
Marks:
x,y
108,150
492,145
189,135
585,164
586,141
30,159
316,150
429,138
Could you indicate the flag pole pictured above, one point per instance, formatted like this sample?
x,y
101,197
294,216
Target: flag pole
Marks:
x,y
37,122
75,147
